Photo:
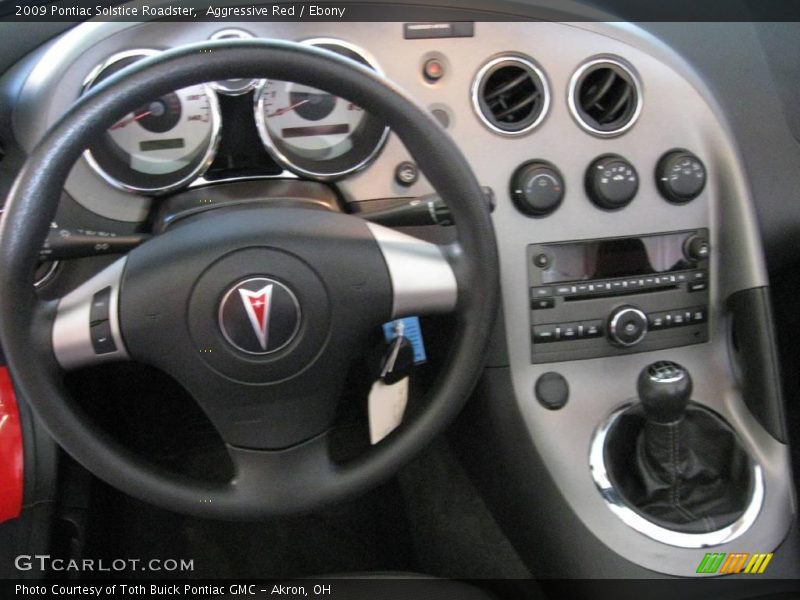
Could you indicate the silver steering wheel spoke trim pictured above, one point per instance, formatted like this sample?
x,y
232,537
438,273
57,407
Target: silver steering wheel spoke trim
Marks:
x,y
423,282
76,335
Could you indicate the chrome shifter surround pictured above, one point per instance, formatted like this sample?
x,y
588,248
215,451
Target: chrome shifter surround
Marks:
x,y
636,521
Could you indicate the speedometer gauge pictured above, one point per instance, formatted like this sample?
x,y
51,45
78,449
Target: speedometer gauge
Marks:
x,y
315,133
163,144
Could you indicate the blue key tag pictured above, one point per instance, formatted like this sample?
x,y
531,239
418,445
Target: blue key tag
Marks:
x,y
410,328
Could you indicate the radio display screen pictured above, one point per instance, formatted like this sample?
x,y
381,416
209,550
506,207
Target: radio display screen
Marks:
x,y
618,257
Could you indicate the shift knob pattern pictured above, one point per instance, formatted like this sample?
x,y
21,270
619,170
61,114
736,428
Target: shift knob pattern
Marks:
x,y
664,389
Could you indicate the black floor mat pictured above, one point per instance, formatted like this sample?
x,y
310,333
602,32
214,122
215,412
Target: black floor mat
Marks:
x,y
368,534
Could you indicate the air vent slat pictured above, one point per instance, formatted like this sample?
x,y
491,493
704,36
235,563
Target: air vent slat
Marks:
x,y
612,114
597,92
605,97
510,95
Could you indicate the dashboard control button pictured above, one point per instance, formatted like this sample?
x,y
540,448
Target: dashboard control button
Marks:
x,y
102,342
99,309
697,286
563,290
406,173
552,390
698,315
680,176
542,303
627,326
542,260
611,182
544,334
593,329
541,292
537,188
570,331
696,248
656,320
433,70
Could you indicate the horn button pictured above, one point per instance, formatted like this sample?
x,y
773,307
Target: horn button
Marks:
x,y
259,315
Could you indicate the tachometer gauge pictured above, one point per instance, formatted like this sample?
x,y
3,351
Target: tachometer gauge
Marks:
x,y
160,146
315,133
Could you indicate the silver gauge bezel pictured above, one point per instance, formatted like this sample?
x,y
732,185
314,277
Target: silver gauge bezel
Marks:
x,y
202,165
280,157
608,61
525,63
247,84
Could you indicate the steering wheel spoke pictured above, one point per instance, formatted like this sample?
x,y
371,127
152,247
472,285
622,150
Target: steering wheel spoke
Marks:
x,y
423,280
86,328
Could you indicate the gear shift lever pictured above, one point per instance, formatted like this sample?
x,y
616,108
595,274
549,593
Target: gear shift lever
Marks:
x,y
664,388
687,471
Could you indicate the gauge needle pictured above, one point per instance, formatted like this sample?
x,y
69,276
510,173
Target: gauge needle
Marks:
x,y
135,117
286,109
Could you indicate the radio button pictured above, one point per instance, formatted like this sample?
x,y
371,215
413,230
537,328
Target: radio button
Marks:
x,y
627,326
592,329
542,303
569,331
541,292
563,290
698,286
698,315
657,320
544,334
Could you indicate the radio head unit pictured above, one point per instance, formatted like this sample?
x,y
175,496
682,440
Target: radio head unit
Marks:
x,y
605,297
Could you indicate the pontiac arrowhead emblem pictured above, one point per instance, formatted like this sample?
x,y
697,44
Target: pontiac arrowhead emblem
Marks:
x,y
258,304
259,315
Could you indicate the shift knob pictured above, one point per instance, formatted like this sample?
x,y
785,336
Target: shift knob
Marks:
x,y
664,389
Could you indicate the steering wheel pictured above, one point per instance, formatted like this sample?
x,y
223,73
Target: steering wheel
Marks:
x,y
257,313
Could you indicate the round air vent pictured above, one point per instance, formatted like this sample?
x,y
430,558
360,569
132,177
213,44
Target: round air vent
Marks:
x,y
510,95
605,97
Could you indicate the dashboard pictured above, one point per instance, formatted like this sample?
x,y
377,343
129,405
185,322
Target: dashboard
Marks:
x,y
619,204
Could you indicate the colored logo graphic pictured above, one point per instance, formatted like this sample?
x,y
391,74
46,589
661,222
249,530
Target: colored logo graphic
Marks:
x,y
259,315
735,562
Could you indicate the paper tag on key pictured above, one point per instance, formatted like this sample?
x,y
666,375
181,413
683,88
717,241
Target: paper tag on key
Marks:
x,y
387,403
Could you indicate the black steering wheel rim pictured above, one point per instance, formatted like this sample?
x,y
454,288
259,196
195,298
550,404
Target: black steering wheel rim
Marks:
x,y
26,322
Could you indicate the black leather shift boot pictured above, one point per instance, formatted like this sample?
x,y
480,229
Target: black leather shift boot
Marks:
x,y
691,476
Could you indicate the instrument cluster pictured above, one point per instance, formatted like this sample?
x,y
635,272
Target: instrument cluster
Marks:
x,y
171,141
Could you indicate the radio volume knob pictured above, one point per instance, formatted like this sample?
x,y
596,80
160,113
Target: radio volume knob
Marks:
x,y
627,326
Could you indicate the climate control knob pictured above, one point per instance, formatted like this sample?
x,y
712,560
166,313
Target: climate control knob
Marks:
x,y
627,326
537,188
680,176
611,182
